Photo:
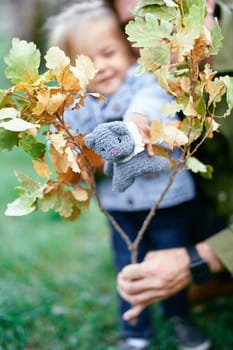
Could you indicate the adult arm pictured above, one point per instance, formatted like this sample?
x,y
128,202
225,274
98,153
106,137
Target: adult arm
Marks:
x,y
222,245
164,273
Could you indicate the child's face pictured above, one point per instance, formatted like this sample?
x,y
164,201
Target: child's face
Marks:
x,y
110,53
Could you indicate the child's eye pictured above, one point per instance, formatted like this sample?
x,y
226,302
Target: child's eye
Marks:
x,y
109,53
119,139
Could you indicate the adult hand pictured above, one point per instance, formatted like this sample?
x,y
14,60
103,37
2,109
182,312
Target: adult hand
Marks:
x,y
161,274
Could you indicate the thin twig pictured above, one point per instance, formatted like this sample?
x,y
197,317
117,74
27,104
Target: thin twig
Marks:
x,y
149,217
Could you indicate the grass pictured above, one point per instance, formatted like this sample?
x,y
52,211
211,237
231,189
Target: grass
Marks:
x,y
56,277
57,285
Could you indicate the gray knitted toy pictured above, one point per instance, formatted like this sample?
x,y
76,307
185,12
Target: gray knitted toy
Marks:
x,y
121,146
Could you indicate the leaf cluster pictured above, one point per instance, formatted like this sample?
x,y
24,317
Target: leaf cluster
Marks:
x,y
176,46
32,118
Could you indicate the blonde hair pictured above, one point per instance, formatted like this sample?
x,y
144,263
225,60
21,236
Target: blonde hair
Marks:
x,y
69,22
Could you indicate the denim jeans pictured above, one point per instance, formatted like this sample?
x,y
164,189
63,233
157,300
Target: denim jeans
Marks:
x,y
169,228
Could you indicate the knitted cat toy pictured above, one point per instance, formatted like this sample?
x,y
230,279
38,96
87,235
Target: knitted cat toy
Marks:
x,y
121,146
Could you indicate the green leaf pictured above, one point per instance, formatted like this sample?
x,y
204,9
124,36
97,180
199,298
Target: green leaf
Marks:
x,y
196,166
8,139
29,192
148,32
216,38
229,85
196,128
20,207
23,62
201,106
35,149
162,3
161,54
17,125
195,19
170,109
160,12
60,201
143,3
187,4
9,113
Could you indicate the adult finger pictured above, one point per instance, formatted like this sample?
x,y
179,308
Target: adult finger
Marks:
x,y
133,312
131,272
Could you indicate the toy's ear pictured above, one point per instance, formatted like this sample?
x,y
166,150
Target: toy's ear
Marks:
x,y
119,128
89,140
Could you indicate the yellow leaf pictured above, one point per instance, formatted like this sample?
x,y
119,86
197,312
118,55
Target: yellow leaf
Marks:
x,y
183,44
69,177
58,142
201,47
55,102
212,126
80,194
190,108
169,133
72,161
42,169
157,131
185,84
175,87
70,82
43,98
84,70
215,89
56,60
58,161
174,137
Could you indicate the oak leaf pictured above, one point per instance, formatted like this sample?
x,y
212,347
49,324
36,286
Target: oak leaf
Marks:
x,y
168,133
58,141
55,102
29,192
81,194
56,60
22,62
42,168
69,177
84,70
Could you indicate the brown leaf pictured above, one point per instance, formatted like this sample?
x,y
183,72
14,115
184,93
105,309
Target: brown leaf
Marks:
x,y
70,82
91,156
201,48
55,102
43,97
81,194
59,163
42,169
157,132
160,151
69,177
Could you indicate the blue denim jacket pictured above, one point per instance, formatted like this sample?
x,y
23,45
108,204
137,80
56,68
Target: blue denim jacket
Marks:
x,y
138,94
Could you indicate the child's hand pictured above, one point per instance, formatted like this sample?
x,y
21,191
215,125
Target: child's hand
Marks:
x,y
143,125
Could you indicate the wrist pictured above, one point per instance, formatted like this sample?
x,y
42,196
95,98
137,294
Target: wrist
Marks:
x,y
207,254
199,267
184,258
